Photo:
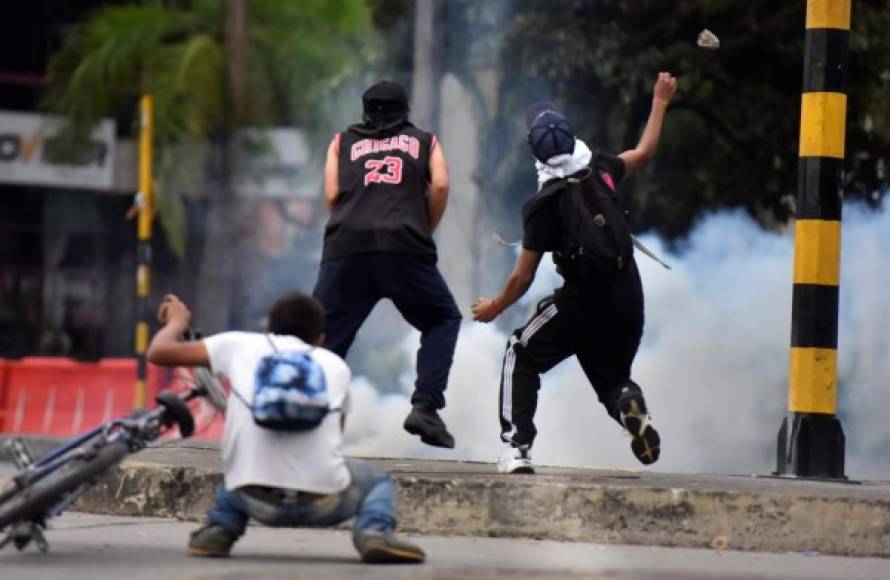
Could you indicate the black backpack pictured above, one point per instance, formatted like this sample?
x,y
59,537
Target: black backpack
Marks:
x,y
597,243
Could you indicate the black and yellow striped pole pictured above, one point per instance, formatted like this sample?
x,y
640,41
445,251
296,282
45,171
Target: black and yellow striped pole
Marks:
x,y
145,203
811,439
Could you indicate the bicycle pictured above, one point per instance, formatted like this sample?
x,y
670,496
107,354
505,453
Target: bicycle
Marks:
x,y
45,488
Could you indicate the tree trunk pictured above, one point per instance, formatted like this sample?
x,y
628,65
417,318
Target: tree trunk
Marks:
x,y
425,81
219,268
213,302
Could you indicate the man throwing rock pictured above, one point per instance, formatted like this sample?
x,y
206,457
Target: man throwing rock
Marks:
x,y
597,315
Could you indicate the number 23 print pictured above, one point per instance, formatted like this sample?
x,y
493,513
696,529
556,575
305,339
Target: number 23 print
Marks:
x,y
386,170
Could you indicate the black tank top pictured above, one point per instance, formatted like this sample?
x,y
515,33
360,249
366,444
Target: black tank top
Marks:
x,y
382,202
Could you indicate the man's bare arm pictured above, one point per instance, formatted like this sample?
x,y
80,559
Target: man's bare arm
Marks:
x,y
437,197
517,285
636,158
331,177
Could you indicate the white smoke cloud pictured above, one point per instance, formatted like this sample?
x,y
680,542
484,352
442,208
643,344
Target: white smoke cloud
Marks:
x,y
713,363
864,341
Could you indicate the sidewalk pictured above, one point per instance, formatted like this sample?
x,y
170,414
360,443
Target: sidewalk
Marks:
x,y
591,505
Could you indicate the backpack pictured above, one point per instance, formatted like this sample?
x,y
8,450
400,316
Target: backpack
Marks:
x,y
597,243
290,392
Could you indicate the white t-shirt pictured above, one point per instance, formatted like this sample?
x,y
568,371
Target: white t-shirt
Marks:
x,y
252,455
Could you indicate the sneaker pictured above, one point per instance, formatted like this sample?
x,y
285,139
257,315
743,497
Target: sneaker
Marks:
x,y
645,442
425,421
380,547
515,460
211,541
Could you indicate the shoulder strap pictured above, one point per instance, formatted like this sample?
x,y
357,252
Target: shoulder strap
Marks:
x,y
551,188
275,348
606,178
235,390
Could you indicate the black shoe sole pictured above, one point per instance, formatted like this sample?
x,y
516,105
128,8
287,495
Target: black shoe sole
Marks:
x,y
647,447
202,553
434,439
390,555
646,443
523,470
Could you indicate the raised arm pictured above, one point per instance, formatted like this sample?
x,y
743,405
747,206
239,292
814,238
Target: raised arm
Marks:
x,y
636,158
485,310
331,177
437,197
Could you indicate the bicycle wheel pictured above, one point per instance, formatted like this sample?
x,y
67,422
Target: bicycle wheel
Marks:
x,y
176,411
212,388
35,500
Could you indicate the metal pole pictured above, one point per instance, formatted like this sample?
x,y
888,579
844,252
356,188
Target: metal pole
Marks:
x,y
145,201
811,439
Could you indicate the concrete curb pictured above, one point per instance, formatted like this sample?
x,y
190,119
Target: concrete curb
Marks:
x,y
547,508
469,499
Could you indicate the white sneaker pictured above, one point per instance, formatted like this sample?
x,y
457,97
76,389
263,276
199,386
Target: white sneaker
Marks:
x,y
515,460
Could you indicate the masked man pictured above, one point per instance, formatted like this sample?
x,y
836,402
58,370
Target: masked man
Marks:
x,y
386,186
597,315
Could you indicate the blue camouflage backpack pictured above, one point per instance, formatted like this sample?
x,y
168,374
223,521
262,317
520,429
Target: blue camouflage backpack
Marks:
x,y
290,391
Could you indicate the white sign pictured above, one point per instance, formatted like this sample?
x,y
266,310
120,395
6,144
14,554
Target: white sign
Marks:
x,y
27,154
274,163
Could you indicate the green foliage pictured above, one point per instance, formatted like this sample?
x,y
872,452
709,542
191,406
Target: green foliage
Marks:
x,y
732,134
295,53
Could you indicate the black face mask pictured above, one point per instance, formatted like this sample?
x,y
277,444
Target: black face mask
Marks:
x,y
385,107
382,117
381,126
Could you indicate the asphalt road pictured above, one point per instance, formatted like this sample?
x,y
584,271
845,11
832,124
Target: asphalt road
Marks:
x,y
98,547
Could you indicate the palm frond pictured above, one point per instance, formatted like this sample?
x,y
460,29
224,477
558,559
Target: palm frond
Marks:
x,y
176,52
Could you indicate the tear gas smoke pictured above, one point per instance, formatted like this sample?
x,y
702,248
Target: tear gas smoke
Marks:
x,y
713,363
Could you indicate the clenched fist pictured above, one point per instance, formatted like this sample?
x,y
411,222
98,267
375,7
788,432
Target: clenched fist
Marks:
x,y
174,311
665,87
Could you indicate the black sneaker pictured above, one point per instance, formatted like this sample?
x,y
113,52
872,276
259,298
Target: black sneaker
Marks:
x,y
645,442
379,547
211,541
425,421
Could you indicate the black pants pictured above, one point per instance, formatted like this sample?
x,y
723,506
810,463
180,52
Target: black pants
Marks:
x,y
349,287
602,329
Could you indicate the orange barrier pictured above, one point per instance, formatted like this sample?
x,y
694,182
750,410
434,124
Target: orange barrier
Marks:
x,y
3,364
61,397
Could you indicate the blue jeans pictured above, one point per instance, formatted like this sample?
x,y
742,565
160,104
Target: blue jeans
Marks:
x,y
370,497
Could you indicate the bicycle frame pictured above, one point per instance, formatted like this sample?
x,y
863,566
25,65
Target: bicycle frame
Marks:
x,y
134,432
71,445
62,454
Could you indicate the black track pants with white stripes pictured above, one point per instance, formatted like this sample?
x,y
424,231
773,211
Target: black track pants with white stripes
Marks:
x,y
605,344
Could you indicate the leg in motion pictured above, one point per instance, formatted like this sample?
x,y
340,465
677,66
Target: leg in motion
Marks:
x,y
348,292
533,349
606,360
420,294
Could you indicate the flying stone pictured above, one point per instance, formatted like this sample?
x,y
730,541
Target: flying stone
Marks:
x,y
707,39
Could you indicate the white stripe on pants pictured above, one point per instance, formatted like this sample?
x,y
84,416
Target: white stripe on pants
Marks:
x,y
533,326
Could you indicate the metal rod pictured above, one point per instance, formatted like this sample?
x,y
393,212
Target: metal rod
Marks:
x,y
145,202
